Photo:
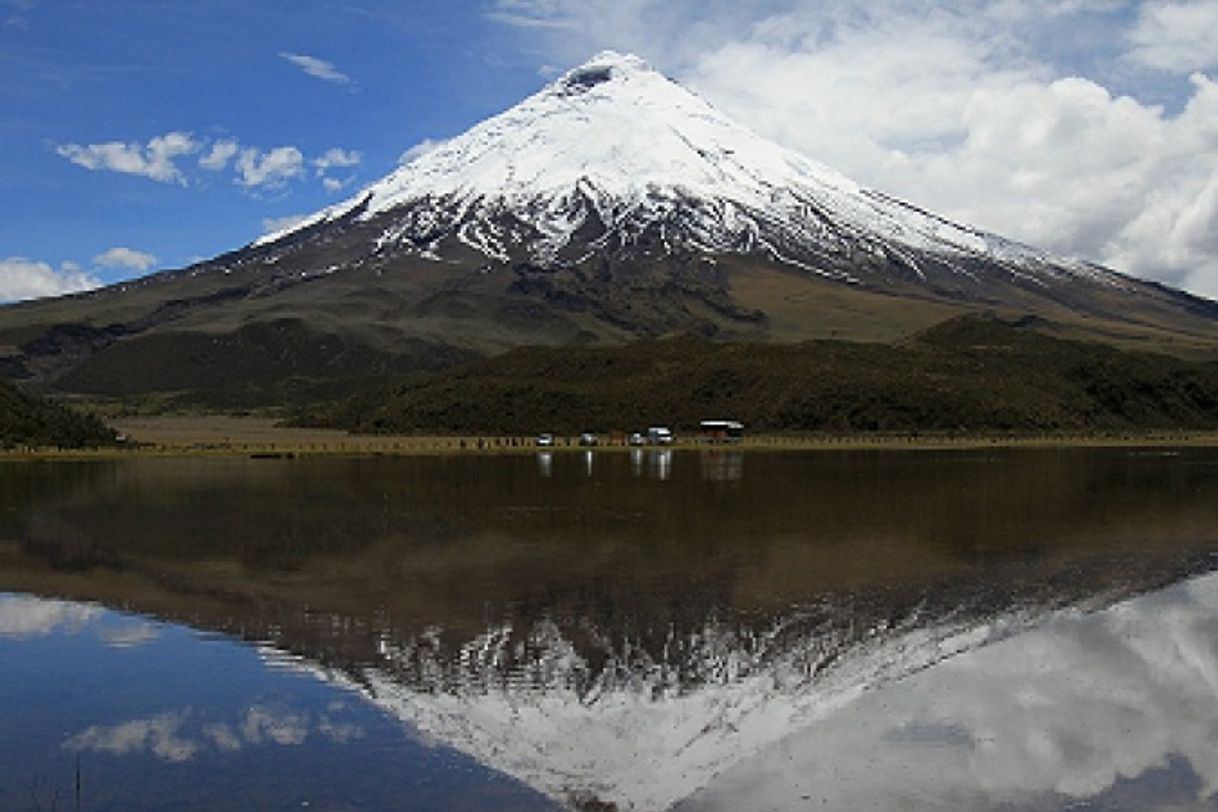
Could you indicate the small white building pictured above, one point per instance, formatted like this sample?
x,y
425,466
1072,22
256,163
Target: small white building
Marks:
x,y
721,431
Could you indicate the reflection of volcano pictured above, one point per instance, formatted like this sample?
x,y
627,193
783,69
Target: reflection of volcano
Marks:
x,y
639,739
589,720
626,633
1115,710
1037,716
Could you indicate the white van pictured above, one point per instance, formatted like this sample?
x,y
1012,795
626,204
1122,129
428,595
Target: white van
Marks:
x,y
659,435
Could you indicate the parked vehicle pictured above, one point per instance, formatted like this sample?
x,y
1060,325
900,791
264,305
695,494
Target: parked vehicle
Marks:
x,y
659,435
721,431
637,438
588,438
545,440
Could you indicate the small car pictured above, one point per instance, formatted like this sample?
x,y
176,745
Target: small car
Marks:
x,y
588,438
637,438
545,440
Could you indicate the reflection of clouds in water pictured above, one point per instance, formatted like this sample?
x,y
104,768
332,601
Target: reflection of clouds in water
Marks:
x,y
131,635
278,726
223,737
340,732
24,617
172,737
159,735
1078,710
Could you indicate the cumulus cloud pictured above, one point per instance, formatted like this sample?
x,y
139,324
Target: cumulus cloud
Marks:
x,y
217,158
253,167
271,169
419,150
125,258
22,278
272,225
317,68
336,157
1003,128
153,160
1177,36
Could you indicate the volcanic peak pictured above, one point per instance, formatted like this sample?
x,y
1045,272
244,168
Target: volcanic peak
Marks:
x,y
613,150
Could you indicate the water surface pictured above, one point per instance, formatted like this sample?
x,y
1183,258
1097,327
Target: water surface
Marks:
x,y
640,629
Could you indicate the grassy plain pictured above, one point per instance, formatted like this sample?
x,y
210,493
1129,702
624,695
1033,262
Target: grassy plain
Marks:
x,y
223,435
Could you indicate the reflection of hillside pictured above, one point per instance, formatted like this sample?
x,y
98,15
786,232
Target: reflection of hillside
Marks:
x,y
454,542
332,558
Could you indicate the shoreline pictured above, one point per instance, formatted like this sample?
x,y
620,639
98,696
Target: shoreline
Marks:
x,y
260,437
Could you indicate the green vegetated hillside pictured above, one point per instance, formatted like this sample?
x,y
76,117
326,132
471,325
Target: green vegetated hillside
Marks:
x,y
29,421
971,373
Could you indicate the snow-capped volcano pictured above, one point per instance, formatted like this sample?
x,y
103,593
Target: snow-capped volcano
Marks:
x,y
613,205
615,156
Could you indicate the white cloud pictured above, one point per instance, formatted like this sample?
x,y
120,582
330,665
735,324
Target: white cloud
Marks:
x,y
153,160
333,184
1177,36
337,158
22,278
419,150
317,68
219,155
127,258
271,169
965,109
272,225
17,13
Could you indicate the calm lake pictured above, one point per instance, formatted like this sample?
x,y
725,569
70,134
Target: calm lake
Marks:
x,y
980,629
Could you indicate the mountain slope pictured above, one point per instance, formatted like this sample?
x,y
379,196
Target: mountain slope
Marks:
x,y
613,205
966,374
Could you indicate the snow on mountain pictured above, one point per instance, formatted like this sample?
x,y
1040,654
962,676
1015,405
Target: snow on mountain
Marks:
x,y
614,150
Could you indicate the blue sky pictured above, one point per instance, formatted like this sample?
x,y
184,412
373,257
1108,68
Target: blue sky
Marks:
x,y
136,136
228,71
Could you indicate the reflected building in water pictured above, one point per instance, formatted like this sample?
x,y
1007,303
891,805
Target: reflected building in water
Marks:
x,y
722,466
